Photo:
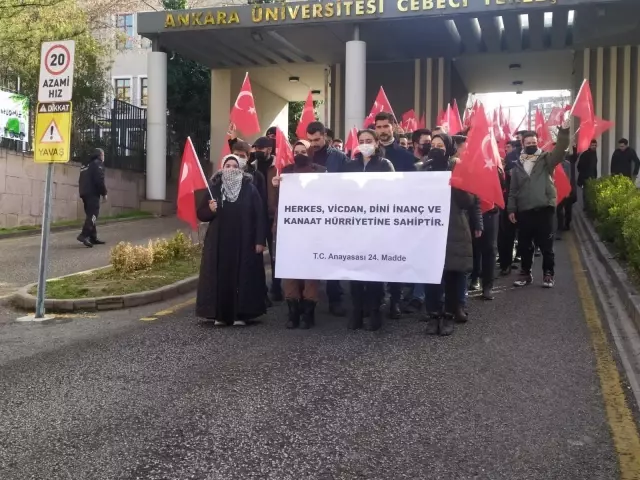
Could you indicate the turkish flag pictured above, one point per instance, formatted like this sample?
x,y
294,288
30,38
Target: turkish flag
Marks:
x,y
441,120
352,142
477,170
284,152
423,122
308,116
590,130
583,104
563,185
455,122
545,141
191,179
409,122
556,117
243,113
381,104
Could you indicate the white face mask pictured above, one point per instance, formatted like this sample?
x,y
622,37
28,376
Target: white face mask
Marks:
x,y
242,162
367,150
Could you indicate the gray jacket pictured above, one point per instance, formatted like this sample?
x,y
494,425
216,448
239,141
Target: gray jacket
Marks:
x,y
537,190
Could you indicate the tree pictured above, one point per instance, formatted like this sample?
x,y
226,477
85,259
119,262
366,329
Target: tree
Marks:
x,y
25,25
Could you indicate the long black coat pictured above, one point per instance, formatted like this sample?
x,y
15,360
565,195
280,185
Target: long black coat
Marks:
x,y
232,278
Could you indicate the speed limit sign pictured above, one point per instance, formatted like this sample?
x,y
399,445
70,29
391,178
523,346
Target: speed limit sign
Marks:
x,y
56,71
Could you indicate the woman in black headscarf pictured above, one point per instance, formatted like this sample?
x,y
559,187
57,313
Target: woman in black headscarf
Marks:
x,y
232,277
459,254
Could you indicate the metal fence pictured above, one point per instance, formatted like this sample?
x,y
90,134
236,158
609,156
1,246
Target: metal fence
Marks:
x,y
121,131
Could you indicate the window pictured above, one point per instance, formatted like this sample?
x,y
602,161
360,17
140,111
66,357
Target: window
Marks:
x,y
124,34
144,91
123,89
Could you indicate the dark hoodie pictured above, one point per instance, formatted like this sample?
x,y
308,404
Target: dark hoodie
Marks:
x,y
587,166
91,182
625,162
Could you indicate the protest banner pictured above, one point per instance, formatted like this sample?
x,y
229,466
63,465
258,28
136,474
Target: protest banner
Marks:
x,y
382,227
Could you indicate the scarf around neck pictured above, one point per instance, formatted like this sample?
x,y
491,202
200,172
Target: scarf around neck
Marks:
x,y
231,183
529,161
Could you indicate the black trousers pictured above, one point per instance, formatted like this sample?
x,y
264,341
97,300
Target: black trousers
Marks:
x,y
506,239
452,281
91,213
537,226
395,292
484,250
367,294
334,291
275,282
565,213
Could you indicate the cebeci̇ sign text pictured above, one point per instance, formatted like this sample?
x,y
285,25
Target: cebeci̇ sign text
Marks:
x,y
385,227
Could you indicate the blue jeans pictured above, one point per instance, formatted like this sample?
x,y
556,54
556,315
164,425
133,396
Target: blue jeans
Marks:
x,y
418,291
434,293
463,287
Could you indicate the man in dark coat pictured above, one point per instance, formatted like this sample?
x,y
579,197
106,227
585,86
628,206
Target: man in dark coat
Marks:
x,y
91,188
334,161
231,283
624,160
588,164
402,161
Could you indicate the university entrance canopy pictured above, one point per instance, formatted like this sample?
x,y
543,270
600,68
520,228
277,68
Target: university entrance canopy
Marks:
x,y
316,32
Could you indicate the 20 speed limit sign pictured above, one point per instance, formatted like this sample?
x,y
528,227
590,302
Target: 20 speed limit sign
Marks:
x,y
56,71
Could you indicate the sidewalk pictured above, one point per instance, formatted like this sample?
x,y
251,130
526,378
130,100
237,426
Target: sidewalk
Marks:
x,y
19,257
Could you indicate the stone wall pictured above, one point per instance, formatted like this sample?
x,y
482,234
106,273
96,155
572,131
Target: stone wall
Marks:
x,y
22,191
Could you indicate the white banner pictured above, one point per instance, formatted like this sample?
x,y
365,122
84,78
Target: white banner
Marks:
x,y
383,227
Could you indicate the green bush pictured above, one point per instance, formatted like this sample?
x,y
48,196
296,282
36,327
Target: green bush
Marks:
x,y
614,205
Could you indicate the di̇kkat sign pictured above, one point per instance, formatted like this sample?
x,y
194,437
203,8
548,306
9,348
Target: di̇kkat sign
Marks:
x,y
14,116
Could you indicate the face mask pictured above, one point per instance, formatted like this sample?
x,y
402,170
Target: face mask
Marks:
x,y
301,160
425,148
242,162
531,149
518,144
436,154
367,150
260,156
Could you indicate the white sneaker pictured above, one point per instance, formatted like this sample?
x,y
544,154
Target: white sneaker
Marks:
x,y
218,323
239,323
548,281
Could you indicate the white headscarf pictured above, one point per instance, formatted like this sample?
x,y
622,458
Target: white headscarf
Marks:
x,y
231,180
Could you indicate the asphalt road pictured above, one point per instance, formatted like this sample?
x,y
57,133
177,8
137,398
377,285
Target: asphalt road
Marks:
x,y
512,395
19,257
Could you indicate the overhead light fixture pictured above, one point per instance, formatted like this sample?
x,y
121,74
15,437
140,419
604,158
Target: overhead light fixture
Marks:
x,y
316,92
515,66
517,82
256,36
294,79
519,92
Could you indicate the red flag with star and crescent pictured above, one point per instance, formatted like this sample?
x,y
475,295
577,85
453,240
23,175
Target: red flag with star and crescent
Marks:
x,y
308,116
191,179
477,170
352,142
243,113
284,152
381,104
591,126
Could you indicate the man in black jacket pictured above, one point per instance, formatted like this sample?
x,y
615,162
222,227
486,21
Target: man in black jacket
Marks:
x,y
92,187
402,161
625,160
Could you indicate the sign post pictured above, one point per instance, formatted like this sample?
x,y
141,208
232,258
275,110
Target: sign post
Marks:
x,y
53,135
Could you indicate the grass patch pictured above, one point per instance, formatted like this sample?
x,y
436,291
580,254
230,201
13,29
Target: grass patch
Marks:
x,y
109,282
76,223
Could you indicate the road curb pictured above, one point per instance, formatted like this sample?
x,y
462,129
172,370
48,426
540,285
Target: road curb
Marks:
x,y
65,228
626,290
23,300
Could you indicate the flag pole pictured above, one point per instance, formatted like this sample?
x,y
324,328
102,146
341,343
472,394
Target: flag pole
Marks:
x,y
206,182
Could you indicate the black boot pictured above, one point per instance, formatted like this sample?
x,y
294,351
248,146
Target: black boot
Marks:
x,y
460,316
394,310
308,314
294,313
433,320
374,322
356,317
487,293
445,325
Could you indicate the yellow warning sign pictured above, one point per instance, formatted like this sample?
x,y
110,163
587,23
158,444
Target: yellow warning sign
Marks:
x,y
53,133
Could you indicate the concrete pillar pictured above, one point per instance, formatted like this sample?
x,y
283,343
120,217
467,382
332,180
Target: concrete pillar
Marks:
x,y
417,76
220,107
157,126
355,83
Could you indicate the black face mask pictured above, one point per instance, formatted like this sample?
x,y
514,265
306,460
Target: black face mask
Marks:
x,y
261,156
425,148
438,159
301,160
518,145
531,149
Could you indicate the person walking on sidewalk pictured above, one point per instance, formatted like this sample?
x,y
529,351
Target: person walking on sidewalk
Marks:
x,y
91,188
532,203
